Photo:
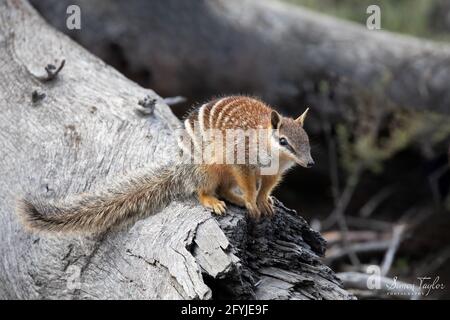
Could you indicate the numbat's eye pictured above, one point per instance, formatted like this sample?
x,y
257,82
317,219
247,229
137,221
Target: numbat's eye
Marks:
x,y
283,141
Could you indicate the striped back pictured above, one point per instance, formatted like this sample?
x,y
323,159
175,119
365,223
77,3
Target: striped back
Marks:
x,y
233,112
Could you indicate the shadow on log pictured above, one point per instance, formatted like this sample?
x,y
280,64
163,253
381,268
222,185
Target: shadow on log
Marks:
x,y
79,130
279,259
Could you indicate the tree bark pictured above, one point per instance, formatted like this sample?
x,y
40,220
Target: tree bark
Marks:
x,y
281,52
72,131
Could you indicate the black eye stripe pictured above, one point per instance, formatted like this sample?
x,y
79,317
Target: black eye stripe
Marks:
x,y
290,148
285,143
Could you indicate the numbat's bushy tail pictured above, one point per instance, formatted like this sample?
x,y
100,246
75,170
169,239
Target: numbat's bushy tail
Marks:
x,y
120,204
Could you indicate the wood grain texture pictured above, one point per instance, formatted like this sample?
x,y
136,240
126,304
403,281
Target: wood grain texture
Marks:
x,y
85,132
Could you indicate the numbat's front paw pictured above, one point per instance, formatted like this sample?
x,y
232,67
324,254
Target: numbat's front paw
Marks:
x,y
265,205
217,206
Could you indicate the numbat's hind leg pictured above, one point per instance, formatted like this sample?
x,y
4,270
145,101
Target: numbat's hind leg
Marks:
x,y
229,195
206,194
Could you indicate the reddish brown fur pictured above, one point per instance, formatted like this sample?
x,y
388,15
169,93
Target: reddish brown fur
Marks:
x,y
242,112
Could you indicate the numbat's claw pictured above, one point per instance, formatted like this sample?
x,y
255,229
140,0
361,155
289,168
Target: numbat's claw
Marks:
x,y
265,206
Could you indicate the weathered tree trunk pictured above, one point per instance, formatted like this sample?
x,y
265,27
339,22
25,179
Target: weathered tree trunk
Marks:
x,y
70,132
281,52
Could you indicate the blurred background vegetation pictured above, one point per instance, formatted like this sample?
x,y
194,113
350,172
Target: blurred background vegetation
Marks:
x,y
422,18
397,174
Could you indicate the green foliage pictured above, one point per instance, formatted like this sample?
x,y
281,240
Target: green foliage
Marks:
x,y
402,265
404,16
347,154
406,128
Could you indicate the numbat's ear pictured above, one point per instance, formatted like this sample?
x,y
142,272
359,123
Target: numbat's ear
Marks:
x,y
275,120
301,119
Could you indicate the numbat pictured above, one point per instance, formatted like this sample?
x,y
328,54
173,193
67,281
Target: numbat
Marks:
x,y
243,184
